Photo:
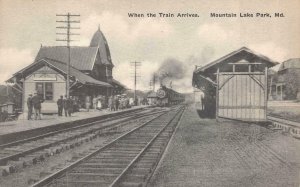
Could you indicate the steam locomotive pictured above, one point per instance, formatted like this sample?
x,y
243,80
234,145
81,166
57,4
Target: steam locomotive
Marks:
x,y
167,97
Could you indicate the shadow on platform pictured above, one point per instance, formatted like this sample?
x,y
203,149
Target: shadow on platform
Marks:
x,y
206,114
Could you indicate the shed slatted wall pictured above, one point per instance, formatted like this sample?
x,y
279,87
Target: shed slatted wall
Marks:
x,y
242,96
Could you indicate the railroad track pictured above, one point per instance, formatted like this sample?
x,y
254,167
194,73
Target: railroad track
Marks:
x,y
128,160
19,154
287,125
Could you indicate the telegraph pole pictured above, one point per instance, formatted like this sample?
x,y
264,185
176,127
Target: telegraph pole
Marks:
x,y
150,85
67,27
154,81
136,65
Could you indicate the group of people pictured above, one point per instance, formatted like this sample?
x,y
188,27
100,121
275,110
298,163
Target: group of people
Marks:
x,y
98,102
118,102
66,104
71,105
34,105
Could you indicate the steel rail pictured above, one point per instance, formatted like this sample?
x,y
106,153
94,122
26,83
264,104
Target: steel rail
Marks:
x,y
167,144
124,172
4,160
2,146
52,177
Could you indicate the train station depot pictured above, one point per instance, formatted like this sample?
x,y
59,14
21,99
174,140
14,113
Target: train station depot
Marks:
x,y
90,74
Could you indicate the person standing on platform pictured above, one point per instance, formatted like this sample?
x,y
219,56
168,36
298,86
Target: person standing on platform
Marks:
x,y
60,105
95,99
117,102
30,106
66,105
113,103
99,102
88,102
70,107
127,102
110,103
202,103
75,104
36,102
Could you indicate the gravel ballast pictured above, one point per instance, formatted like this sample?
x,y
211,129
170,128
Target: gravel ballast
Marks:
x,y
206,153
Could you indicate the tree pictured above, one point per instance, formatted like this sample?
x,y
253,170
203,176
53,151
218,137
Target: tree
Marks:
x,y
292,85
7,94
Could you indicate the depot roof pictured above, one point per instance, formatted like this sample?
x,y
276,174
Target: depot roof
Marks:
x,y
61,67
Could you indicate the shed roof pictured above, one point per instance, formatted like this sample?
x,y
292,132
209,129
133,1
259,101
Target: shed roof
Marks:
x,y
241,54
205,76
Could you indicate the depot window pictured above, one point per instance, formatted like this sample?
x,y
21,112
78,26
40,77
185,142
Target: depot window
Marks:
x,y
45,90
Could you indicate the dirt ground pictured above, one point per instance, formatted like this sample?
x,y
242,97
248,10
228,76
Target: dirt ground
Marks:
x,y
206,153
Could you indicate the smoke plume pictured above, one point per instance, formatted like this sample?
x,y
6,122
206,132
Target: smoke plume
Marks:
x,y
170,69
179,73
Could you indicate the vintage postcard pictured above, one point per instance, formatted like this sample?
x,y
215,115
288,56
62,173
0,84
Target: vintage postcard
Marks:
x,y
150,93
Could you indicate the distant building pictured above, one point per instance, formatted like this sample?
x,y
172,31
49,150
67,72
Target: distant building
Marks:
x,y
90,73
285,84
152,98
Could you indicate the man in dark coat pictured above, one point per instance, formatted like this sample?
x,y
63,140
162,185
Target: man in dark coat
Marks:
x,y
66,105
60,105
117,102
110,103
71,103
30,106
36,102
202,103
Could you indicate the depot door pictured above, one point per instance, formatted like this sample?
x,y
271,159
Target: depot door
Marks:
x,y
242,95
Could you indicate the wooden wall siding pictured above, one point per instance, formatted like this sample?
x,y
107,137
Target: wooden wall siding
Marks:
x,y
59,88
242,96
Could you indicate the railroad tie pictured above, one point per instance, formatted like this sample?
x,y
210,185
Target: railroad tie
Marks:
x,y
131,184
6,170
18,165
31,181
28,160
44,174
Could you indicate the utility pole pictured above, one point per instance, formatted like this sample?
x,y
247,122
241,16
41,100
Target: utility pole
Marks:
x,y
67,27
136,65
150,85
154,81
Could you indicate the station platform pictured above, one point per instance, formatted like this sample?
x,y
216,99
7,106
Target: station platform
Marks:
x,y
203,152
23,128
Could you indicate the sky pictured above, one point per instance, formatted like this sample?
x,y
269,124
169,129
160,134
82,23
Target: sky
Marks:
x,y
28,24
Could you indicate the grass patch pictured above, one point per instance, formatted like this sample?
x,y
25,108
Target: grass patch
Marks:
x,y
288,112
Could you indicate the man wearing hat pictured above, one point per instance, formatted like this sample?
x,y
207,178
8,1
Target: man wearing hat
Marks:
x,y
36,102
60,105
67,106
30,106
